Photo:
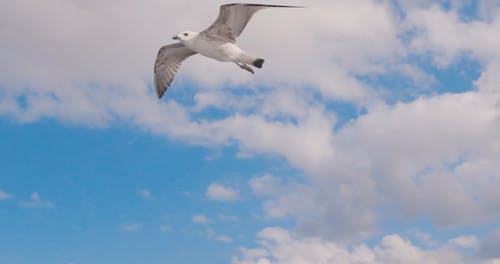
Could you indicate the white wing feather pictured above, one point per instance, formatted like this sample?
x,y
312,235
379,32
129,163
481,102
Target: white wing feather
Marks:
x,y
167,63
232,20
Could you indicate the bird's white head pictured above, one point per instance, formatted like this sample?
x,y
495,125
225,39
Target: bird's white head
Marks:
x,y
185,36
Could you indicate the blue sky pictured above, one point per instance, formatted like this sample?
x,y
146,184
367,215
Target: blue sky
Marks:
x,y
94,179
98,177
372,133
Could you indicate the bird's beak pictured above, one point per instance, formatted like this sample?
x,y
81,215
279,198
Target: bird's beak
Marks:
x,y
175,37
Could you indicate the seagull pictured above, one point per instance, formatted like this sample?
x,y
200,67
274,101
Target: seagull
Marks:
x,y
217,42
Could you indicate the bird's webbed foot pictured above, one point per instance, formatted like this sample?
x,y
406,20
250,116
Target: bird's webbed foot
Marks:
x,y
245,67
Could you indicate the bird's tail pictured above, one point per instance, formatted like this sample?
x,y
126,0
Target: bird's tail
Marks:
x,y
258,63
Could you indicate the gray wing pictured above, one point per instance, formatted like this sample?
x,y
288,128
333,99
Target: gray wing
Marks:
x,y
232,20
167,63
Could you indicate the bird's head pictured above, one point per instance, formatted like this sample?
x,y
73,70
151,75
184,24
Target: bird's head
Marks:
x,y
185,36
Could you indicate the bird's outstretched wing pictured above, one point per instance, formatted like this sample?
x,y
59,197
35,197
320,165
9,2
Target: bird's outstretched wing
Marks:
x,y
233,18
167,63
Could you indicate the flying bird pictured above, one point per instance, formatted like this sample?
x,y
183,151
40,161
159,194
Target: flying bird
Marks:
x,y
216,42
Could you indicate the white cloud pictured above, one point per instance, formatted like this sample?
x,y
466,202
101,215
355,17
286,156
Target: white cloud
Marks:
x,y
279,246
394,249
435,157
315,208
131,228
446,34
4,195
219,192
36,201
201,219
425,160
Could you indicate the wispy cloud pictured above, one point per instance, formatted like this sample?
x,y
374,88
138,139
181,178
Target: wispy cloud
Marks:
x,y
219,192
264,185
36,201
222,238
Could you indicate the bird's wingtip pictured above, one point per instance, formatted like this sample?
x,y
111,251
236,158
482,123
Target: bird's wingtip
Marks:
x,y
160,94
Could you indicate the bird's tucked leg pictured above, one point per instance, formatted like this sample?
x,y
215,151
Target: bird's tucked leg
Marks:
x,y
245,67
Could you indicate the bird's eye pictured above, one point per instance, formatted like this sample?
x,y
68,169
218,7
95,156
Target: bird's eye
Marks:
x,y
185,34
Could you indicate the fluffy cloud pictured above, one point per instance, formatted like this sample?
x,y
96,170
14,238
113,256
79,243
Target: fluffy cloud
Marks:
x,y
219,192
446,136
279,246
447,35
435,156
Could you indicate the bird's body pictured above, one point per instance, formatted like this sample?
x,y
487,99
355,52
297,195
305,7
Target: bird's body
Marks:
x,y
217,42
216,49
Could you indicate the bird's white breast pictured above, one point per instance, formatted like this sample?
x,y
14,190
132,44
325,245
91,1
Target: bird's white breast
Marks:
x,y
216,50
